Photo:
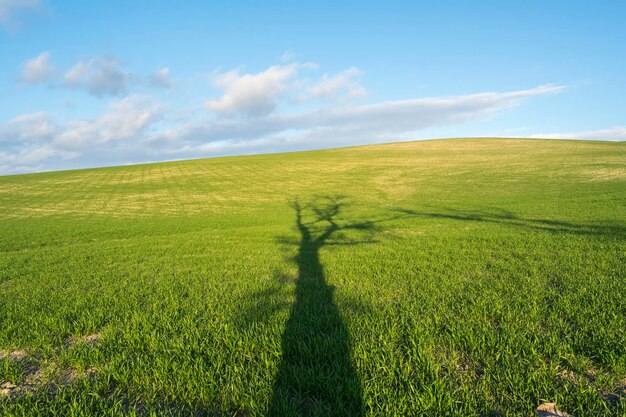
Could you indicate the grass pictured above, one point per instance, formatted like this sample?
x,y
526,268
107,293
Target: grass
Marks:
x,y
470,277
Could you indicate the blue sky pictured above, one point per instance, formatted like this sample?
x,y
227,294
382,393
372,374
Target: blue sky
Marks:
x,y
105,83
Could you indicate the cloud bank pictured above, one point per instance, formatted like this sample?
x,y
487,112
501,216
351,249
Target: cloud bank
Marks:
x,y
31,139
277,109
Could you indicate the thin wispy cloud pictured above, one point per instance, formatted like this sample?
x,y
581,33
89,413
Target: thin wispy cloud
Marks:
x,y
344,84
11,12
617,133
161,78
339,126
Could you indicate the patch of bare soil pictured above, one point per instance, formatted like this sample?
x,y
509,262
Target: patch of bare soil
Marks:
x,y
8,390
550,410
14,355
38,376
34,377
49,378
90,339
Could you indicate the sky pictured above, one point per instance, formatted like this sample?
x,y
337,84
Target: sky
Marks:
x,y
87,84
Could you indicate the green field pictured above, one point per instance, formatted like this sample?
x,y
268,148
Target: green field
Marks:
x,y
460,277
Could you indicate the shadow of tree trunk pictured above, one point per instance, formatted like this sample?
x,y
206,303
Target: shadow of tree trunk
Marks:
x,y
316,376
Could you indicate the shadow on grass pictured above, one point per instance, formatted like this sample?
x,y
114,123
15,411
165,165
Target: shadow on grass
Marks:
x,y
507,218
316,375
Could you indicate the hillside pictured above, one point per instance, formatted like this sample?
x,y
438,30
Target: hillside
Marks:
x,y
449,277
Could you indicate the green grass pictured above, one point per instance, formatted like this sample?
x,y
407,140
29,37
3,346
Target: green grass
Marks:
x,y
470,277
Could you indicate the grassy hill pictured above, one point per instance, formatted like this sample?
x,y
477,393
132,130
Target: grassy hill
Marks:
x,y
451,277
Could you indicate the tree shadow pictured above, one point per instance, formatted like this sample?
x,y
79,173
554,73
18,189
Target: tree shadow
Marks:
x,y
508,218
316,376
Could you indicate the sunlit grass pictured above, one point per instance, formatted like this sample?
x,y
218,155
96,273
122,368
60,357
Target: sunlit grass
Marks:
x,y
455,277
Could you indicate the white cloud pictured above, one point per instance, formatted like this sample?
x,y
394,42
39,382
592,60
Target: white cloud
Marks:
x,y
252,95
612,134
288,56
98,76
32,139
27,127
135,128
349,125
161,78
11,9
24,142
343,84
126,119
38,69
258,95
